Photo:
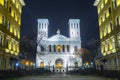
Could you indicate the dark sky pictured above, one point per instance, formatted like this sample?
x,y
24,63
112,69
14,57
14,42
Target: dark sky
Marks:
x,y
59,12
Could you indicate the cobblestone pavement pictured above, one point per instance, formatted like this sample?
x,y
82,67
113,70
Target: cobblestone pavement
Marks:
x,y
63,77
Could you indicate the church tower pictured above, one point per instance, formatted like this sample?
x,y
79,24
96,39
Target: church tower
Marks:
x,y
43,27
74,29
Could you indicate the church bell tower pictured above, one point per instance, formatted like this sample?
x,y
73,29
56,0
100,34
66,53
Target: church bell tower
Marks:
x,y
74,29
43,27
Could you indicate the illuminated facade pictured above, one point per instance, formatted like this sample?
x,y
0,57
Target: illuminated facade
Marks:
x,y
10,21
109,26
59,51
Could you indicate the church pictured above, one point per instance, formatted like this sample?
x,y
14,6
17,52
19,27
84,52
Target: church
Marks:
x,y
58,51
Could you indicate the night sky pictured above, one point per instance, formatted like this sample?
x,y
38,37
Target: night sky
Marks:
x,y
59,12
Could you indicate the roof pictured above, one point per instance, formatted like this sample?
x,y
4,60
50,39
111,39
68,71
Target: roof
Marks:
x,y
58,37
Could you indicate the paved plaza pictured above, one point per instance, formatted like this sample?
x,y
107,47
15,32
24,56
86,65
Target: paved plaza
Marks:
x,y
64,77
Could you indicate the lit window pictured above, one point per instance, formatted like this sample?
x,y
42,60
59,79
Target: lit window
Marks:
x,y
59,48
106,1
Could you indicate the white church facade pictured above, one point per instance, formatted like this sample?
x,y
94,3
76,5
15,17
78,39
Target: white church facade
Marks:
x,y
58,50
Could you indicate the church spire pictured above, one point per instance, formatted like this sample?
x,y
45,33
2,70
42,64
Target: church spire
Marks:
x,y
58,31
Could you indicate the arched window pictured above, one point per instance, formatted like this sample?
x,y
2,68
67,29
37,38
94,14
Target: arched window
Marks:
x,y
54,48
68,48
63,48
71,25
49,48
77,25
59,48
42,65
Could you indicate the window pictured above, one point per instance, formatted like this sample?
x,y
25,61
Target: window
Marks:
x,y
45,25
1,40
77,33
11,45
101,19
68,48
115,3
7,42
39,25
103,48
3,20
63,48
108,46
14,14
12,28
10,10
102,33
106,29
71,25
5,3
50,48
119,40
42,25
111,25
54,48
109,9
105,15
117,21
8,27
72,33
75,48
74,25
113,43
77,25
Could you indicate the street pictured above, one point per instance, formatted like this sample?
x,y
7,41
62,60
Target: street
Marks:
x,y
63,77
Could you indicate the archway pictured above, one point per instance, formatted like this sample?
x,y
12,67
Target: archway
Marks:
x,y
76,64
59,63
42,65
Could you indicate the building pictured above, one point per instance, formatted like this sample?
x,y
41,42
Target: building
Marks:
x,y
10,21
58,50
109,26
